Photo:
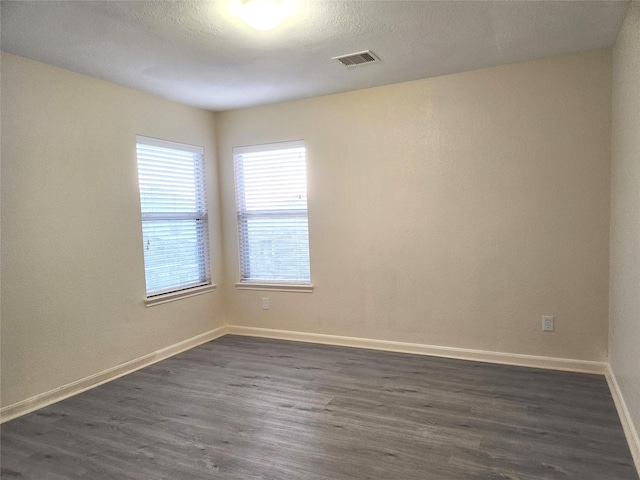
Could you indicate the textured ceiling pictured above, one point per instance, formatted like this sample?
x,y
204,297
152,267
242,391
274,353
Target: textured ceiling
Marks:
x,y
201,53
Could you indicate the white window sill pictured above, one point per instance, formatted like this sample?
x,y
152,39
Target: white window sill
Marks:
x,y
276,287
173,296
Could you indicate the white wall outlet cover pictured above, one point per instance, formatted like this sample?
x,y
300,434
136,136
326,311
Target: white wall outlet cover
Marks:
x,y
265,303
547,323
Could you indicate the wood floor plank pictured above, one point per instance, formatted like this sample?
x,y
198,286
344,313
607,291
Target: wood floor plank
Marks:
x,y
242,408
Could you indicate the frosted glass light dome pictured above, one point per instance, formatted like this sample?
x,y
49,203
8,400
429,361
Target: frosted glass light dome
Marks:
x,y
263,14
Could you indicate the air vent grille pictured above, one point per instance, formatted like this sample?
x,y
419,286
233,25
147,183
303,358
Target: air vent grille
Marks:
x,y
359,58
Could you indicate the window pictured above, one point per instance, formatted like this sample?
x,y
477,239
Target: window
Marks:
x,y
174,216
271,195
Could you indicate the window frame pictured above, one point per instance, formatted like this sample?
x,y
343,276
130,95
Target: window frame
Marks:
x,y
199,215
242,215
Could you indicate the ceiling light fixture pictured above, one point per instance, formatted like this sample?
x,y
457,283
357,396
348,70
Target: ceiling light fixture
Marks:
x,y
263,14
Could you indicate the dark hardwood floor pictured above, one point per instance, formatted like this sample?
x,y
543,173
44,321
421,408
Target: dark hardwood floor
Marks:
x,y
248,408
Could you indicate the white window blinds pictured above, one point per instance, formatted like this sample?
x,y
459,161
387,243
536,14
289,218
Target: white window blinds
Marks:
x,y
174,215
271,194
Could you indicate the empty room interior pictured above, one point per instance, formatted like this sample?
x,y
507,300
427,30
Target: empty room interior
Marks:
x,y
304,239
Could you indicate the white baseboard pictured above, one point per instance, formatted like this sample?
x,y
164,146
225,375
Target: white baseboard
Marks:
x,y
625,417
551,363
52,396
47,398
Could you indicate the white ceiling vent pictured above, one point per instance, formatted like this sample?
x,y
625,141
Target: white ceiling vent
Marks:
x,y
359,58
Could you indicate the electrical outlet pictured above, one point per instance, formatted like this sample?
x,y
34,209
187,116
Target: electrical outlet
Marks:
x,y
265,303
547,323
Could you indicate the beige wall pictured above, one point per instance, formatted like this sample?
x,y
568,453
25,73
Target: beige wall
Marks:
x,y
72,264
624,293
450,211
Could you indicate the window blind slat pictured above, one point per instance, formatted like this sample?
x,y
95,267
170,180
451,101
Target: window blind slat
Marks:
x,y
271,194
174,215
